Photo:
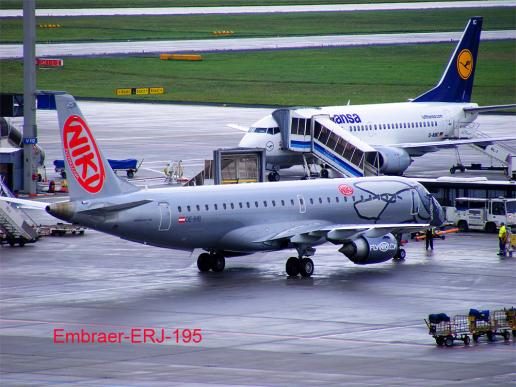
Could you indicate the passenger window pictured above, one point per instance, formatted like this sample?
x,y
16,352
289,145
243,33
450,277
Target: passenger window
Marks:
x,y
198,207
240,205
329,200
336,199
274,203
265,203
256,204
283,203
179,209
320,200
292,201
232,206
248,204
311,201
216,207
207,207
224,205
188,208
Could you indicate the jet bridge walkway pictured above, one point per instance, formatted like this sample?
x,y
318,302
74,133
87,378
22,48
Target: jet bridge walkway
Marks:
x,y
303,130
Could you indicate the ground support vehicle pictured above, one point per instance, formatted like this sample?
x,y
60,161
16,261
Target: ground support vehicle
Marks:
x,y
445,330
130,166
60,229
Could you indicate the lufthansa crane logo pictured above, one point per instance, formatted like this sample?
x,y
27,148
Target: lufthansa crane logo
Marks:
x,y
465,64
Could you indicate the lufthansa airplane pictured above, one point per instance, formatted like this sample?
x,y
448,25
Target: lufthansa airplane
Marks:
x,y
359,214
398,131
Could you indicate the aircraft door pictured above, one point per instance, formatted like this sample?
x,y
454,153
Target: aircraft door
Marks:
x,y
165,216
302,204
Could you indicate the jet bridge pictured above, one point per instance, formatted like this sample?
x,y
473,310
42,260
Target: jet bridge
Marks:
x,y
304,130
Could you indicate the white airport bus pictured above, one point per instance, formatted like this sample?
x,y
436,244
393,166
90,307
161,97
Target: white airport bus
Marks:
x,y
475,203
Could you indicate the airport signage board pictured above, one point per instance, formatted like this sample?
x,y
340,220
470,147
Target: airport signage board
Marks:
x,y
140,91
47,62
30,140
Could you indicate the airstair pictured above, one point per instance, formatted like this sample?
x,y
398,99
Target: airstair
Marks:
x,y
499,152
304,130
15,224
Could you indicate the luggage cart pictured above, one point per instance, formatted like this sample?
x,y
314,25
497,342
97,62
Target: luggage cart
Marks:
x,y
510,315
445,330
500,324
484,323
130,166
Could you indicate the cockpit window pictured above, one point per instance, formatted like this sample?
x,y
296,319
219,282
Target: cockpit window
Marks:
x,y
275,130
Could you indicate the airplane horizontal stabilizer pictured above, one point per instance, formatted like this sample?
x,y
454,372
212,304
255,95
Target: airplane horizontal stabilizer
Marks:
x,y
25,203
479,109
114,208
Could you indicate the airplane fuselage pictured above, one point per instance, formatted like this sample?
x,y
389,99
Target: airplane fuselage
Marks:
x,y
376,124
245,218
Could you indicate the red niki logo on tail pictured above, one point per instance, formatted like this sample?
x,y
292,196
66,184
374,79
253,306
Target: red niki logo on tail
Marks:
x,y
82,155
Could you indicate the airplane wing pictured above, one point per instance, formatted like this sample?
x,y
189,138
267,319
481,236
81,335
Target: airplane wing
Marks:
x,y
433,146
479,109
239,127
339,233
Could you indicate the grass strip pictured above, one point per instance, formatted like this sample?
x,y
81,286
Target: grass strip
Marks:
x,y
293,77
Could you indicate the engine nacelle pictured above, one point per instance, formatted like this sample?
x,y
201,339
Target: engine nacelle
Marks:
x,y
393,161
364,250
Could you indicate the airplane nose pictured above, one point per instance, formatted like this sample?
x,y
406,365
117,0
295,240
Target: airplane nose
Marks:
x,y
438,217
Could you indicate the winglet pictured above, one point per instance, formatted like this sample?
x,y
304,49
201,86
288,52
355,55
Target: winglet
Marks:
x,y
456,83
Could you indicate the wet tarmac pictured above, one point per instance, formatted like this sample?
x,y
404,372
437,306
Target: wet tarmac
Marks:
x,y
347,325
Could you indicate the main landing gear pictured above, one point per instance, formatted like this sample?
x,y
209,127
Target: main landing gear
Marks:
x,y
215,262
302,264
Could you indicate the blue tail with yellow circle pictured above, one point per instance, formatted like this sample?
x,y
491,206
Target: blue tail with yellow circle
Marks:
x,y
456,83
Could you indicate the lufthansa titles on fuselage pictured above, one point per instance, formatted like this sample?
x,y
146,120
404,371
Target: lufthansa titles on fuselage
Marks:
x,y
350,118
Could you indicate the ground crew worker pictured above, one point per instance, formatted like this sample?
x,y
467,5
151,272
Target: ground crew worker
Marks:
x,y
502,238
429,238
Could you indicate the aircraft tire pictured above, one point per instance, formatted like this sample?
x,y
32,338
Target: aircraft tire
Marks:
x,y
273,176
218,263
203,262
292,267
306,267
325,173
402,254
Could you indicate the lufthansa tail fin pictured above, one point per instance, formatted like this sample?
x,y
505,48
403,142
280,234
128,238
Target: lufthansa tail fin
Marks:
x,y
89,174
456,83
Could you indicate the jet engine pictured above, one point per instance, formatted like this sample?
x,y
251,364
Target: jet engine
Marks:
x,y
364,250
393,161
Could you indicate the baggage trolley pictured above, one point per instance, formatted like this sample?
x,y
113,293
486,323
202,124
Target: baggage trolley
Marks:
x,y
500,324
510,315
445,330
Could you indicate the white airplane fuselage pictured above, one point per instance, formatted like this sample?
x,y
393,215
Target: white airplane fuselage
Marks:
x,y
386,124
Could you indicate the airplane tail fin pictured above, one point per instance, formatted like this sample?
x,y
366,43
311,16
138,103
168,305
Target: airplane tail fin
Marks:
x,y
89,174
456,83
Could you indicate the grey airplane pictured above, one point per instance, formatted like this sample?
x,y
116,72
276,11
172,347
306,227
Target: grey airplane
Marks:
x,y
362,215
